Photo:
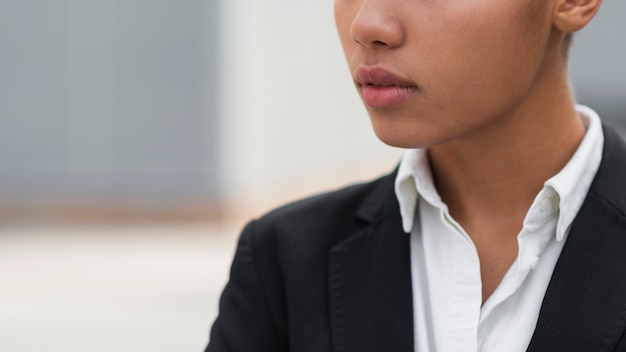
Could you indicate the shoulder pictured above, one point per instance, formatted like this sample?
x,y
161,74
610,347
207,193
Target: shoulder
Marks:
x,y
317,222
329,209
609,184
337,203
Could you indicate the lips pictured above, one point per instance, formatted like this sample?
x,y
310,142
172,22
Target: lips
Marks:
x,y
381,88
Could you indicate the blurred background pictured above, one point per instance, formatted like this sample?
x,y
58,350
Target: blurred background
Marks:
x,y
138,136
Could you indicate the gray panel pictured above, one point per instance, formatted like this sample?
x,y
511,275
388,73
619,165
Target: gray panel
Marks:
x,y
108,99
32,89
597,63
160,119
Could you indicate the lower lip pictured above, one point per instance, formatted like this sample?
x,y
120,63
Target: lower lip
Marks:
x,y
386,96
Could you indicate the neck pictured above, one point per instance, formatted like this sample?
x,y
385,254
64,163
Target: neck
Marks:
x,y
496,172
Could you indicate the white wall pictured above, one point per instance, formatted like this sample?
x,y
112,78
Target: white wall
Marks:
x,y
293,123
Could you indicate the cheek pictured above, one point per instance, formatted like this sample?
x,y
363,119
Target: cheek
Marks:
x,y
343,20
479,63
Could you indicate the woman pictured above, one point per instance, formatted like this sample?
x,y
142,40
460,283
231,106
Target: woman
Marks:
x,y
503,228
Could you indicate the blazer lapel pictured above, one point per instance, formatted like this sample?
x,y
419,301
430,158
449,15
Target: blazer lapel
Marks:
x,y
584,308
370,280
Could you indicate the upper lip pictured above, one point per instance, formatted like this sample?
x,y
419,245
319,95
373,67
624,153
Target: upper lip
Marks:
x,y
375,75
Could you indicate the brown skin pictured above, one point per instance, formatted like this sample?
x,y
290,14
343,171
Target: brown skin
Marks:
x,y
493,106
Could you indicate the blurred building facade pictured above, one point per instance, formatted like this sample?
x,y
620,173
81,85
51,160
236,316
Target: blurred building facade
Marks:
x,y
192,108
108,106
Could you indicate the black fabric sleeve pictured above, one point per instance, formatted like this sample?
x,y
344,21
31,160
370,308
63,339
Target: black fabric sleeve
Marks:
x,y
245,322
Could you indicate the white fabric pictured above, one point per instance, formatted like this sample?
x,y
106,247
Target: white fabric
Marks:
x,y
447,291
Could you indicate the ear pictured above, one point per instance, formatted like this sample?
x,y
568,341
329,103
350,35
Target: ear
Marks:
x,y
574,15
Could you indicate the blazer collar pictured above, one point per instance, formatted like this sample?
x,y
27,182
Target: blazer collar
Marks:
x,y
584,308
370,280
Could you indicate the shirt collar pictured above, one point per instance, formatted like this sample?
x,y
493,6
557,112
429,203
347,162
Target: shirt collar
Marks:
x,y
572,183
564,192
413,179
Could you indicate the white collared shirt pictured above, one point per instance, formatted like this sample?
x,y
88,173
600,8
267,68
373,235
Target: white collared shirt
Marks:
x,y
447,288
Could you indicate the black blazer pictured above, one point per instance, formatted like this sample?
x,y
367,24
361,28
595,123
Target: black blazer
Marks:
x,y
332,273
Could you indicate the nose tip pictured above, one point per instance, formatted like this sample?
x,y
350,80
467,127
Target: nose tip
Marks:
x,y
372,28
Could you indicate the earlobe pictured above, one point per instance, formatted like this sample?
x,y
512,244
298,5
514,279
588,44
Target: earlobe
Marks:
x,y
574,15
